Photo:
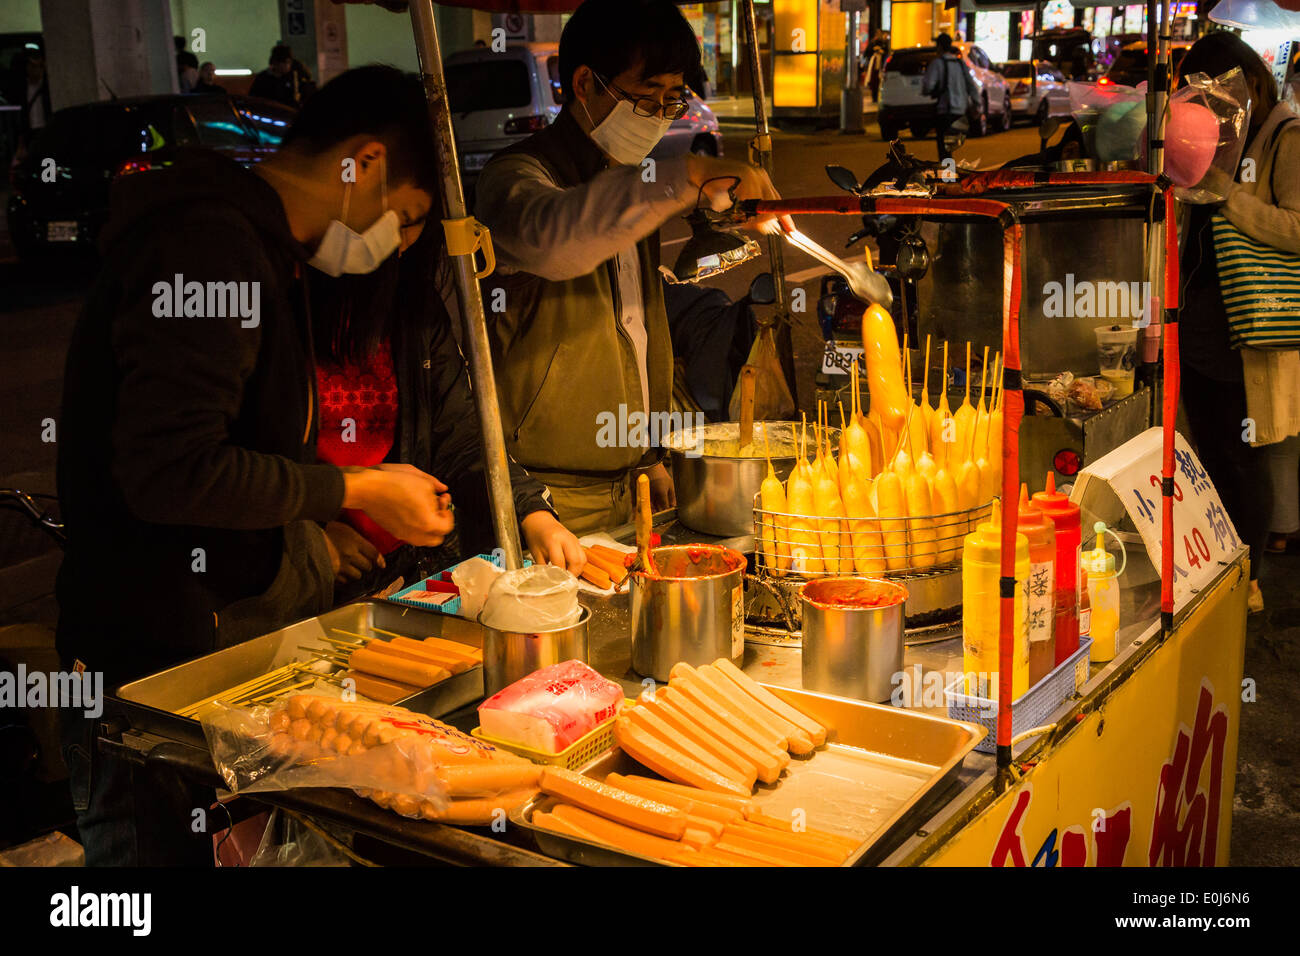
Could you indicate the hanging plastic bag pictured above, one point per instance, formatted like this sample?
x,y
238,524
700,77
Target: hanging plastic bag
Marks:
x,y
1205,135
1112,119
287,842
773,401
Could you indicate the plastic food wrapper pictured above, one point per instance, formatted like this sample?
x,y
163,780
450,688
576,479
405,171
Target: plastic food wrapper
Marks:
x,y
1205,135
538,598
551,708
474,577
407,762
772,399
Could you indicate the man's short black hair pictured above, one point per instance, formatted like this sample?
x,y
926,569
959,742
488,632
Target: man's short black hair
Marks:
x,y
944,42
281,52
377,101
610,36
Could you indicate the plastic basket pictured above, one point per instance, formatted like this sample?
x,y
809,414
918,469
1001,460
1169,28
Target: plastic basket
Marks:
x,y
451,606
1031,710
580,752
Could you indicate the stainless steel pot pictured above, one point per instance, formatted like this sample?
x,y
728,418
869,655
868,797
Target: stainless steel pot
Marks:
x,y
510,655
715,491
851,649
694,611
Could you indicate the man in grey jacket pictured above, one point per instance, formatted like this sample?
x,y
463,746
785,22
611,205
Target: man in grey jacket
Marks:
x,y
949,82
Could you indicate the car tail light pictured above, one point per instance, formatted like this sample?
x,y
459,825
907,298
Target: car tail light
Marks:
x,y
133,166
525,124
1104,81
1067,461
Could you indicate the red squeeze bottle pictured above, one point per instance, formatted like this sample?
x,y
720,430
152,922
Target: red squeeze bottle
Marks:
x,y
1069,544
1041,602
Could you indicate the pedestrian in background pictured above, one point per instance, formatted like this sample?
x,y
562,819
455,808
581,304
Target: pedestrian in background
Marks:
x,y
284,80
206,84
951,86
187,66
1226,390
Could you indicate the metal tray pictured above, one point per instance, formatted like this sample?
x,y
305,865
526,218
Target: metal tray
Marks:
x,y
881,772
151,702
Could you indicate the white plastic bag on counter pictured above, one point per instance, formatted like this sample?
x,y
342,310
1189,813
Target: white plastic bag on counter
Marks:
x,y
538,598
474,578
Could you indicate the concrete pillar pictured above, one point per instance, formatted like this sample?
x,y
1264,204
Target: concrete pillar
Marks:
x,y
95,49
317,32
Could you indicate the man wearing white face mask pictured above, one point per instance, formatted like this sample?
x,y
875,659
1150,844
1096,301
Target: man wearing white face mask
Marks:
x,y
575,217
187,465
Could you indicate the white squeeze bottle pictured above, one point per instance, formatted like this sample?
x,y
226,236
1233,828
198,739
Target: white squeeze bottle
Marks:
x,y
1103,593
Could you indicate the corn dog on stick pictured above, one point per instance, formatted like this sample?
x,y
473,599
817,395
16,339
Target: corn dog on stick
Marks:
x,y
855,490
805,552
982,411
830,511
968,481
941,433
775,532
994,449
918,434
920,524
854,435
891,507
927,410
949,530
965,417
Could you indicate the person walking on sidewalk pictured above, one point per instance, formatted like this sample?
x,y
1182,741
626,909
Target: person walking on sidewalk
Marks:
x,y
949,83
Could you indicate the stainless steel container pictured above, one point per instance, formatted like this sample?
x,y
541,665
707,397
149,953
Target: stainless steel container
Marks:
x,y
850,648
694,611
510,655
715,487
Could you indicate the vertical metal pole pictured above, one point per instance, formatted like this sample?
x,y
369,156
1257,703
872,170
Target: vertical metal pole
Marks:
x,y
473,317
763,153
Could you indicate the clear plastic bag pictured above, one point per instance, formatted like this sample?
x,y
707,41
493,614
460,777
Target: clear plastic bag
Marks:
x,y
1205,135
538,598
406,762
1112,119
474,578
313,740
287,842
551,708
772,398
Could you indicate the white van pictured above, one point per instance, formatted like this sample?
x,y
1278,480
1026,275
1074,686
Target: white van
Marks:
x,y
498,99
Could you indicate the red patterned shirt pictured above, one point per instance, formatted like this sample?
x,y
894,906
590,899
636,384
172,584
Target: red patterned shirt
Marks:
x,y
358,424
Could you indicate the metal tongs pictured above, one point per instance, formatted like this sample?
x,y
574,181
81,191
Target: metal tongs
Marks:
x,y
864,282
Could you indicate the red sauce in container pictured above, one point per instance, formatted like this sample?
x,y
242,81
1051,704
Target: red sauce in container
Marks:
x,y
851,593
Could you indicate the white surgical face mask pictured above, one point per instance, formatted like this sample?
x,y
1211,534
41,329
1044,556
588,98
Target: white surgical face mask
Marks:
x,y
343,249
625,136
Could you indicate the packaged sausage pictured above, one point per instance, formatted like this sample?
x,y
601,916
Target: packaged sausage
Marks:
x,y
551,708
407,762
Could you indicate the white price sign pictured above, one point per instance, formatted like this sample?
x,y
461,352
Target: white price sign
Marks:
x,y
1204,536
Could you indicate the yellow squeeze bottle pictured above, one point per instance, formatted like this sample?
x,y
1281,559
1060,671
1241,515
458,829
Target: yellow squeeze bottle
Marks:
x,y
1103,594
981,613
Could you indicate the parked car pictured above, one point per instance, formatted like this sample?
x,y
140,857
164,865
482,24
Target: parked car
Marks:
x,y
96,143
1050,98
497,99
694,132
1068,49
1129,67
902,104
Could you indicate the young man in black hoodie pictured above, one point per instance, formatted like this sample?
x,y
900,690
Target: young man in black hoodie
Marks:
x,y
187,440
